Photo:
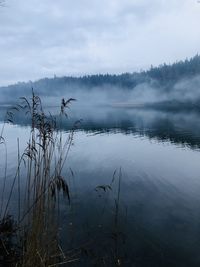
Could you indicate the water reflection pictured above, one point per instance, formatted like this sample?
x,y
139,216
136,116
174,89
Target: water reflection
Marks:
x,y
159,218
177,127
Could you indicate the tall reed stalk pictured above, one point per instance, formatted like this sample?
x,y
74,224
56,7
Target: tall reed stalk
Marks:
x,y
41,165
38,181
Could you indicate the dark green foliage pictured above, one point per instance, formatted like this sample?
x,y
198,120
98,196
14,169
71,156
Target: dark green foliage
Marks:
x,y
172,73
8,249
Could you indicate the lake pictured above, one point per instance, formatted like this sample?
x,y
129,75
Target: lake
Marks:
x,y
154,157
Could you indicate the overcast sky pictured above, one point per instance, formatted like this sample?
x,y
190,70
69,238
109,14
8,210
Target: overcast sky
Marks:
x,y
40,38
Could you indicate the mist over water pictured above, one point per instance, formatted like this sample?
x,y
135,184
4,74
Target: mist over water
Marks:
x,y
99,144
150,132
159,201
179,91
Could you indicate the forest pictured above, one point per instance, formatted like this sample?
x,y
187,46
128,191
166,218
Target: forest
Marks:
x,y
164,77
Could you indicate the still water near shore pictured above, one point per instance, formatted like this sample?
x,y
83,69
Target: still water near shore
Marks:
x,y
158,154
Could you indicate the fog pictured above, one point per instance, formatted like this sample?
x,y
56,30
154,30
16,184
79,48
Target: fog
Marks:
x,y
186,92
163,112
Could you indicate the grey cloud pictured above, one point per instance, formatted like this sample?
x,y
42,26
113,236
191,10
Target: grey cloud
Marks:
x,y
40,38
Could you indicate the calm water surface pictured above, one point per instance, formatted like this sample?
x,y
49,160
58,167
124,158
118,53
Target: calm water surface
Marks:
x,y
159,157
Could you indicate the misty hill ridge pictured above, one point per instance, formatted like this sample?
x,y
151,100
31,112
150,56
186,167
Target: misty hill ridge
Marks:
x,y
163,77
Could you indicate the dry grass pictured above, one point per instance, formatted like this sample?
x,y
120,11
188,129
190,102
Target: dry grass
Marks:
x,y
43,161
40,167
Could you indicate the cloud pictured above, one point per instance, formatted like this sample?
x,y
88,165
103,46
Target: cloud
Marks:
x,y
65,37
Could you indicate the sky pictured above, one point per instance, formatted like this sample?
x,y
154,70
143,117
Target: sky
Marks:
x,y
76,37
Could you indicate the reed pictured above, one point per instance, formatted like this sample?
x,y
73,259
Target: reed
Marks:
x,y
33,238
41,165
